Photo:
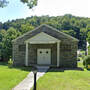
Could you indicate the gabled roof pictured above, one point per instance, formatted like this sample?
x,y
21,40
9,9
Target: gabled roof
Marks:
x,y
42,38
62,33
46,29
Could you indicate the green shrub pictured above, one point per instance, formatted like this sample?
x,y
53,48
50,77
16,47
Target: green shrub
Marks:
x,y
89,50
10,63
86,61
78,59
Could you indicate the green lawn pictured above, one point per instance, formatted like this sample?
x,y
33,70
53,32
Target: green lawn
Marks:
x,y
10,77
65,80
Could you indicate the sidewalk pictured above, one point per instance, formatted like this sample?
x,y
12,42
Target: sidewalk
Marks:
x,y
27,83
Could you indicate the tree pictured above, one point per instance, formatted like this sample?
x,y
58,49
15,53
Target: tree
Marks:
x,y
88,27
66,24
7,44
3,3
83,35
88,38
25,28
70,32
2,39
2,34
30,3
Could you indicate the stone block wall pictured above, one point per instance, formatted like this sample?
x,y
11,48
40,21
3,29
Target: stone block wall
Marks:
x,y
68,55
19,55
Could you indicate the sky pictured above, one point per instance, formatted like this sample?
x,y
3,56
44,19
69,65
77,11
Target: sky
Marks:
x,y
17,9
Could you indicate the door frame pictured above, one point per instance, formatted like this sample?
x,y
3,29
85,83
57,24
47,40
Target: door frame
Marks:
x,y
50,56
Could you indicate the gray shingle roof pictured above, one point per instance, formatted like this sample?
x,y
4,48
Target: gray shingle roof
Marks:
x,y
56,32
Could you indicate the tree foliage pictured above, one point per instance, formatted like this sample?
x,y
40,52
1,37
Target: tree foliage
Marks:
x,y
30,3
86,61
88,38
6,41
3,3
25,28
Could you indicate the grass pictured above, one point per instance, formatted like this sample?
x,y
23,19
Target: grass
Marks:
x,y
10,77
65,80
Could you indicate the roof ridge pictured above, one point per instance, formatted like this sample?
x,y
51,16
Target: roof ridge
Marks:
x,y
61,32
48,27
27,33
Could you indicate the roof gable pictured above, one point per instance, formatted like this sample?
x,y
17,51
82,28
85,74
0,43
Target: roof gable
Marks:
x,y
46,29
61,33
42,38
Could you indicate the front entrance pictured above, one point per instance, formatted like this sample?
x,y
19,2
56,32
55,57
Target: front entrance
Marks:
x,y
44,56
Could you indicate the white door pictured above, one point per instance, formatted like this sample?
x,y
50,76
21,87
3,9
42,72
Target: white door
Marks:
x,y
44,56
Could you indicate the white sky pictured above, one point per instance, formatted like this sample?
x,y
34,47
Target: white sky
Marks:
x,y
61,7
16,9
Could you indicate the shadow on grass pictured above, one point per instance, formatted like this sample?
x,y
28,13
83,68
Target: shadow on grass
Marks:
x,y
50,69
64,69
24,68
88,69
3,63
